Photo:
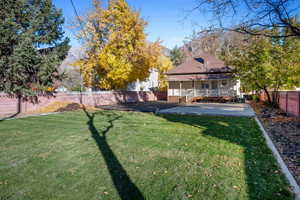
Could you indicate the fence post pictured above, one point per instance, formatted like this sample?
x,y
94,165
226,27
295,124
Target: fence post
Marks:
x,y
286,101
298,115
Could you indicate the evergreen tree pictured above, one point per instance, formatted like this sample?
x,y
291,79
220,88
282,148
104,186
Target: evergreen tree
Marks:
x,y
32,45
177,56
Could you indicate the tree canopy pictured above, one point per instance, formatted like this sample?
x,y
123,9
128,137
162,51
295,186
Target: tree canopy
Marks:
x,y
267,64
32,45
117,50
164,66
177,56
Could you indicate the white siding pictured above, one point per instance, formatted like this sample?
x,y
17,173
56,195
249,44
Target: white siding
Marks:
x,y
150,83
207,88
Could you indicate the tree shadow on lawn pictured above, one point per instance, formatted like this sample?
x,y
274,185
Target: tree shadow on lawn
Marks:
x,y
9,117
263,177
126,189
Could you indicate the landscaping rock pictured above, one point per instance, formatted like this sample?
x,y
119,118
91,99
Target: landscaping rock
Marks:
x,y
284,131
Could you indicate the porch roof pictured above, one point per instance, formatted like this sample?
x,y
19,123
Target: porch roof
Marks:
x,y
200,77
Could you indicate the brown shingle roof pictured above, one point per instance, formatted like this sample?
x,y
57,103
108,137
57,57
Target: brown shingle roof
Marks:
x,y
202,64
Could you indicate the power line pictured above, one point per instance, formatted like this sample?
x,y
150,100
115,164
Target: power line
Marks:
x,y
81,27
78,18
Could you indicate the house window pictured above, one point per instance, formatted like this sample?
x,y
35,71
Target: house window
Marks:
x,y
214,85
224,82
204,85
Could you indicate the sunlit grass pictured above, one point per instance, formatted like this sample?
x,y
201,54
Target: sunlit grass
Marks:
x,y
165,157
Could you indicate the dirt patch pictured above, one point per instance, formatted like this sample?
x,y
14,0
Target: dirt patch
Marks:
x,y
60,106
284,131
69,107
152,106
57,106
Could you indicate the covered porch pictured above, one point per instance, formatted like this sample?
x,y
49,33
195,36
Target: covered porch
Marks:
x,y
201,88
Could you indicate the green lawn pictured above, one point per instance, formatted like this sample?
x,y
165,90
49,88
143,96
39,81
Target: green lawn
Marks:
x,y
125,155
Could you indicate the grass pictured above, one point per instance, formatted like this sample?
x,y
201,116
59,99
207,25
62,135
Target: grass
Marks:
x,y
126,155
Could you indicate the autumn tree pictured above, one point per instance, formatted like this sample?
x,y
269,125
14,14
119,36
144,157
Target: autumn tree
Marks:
x,y
117,50
165,64
32,45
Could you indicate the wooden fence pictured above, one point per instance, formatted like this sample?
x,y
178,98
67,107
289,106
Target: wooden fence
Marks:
x,y
9,104
288,101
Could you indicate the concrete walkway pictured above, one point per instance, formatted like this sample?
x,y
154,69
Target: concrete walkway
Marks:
x,y
215,109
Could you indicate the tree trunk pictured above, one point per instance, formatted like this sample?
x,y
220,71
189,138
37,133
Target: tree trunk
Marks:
x,y
19,105
275,97
268,96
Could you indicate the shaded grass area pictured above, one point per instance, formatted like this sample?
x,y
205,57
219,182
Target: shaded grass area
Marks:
x,y
127,155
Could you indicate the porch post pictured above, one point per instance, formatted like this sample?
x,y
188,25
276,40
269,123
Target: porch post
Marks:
x,y
168,89
209,88
180,86
194,88
219,88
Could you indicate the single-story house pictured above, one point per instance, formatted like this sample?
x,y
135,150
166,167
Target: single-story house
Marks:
x,y
202,76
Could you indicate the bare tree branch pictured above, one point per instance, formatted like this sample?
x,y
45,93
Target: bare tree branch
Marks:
x,y
254,17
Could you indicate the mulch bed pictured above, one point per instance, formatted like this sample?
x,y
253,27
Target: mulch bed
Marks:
x,y
69,107
284,131
153,106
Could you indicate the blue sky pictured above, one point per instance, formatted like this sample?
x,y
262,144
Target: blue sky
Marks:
x,y
166,18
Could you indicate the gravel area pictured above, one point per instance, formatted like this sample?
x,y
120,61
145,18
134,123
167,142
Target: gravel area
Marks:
x,y
153,106
285,133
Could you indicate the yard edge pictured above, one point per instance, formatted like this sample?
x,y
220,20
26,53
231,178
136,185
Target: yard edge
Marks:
x,y
284,168
33,115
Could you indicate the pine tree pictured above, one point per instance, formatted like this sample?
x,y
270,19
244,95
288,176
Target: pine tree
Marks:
x,y
32,45
177,56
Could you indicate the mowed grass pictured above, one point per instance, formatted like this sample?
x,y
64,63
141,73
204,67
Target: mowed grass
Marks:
x,y
126,155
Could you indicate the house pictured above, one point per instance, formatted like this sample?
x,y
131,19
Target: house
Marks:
x,y
151,83
201,77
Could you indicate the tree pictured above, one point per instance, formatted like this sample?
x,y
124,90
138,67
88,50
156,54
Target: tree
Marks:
x,y
268,64
31,46
117,51
177,56
164,66
252,17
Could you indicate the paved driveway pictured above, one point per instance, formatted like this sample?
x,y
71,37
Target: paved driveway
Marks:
x,y
212,109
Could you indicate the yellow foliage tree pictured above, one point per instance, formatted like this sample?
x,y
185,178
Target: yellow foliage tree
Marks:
x,y
164,66
117,50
